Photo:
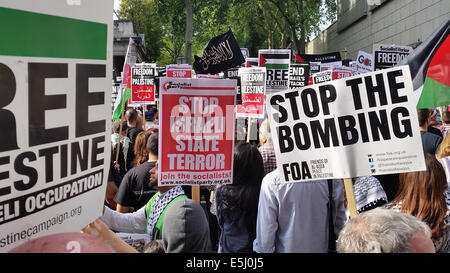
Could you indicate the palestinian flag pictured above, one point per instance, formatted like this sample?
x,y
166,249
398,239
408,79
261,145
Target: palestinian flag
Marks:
x,y
430,69
276,62
250,62
275,58
125,87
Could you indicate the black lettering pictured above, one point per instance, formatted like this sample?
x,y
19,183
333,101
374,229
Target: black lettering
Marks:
x,y
315,103
398,132
4,175
48,154
324,134
394,86
349,134
379,88
295,171
284,140
285,74
96,151
379,125
269,74
8,137
327,99
354,84
283,113
292,99
84,99
22,169
297,135
363,128
39,103
77,156
64,160
286,172
305,171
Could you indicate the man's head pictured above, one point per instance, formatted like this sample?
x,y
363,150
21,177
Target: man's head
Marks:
x,y
446,117
385,231
132,116
154,176
424,117
116,127
152,144
264,133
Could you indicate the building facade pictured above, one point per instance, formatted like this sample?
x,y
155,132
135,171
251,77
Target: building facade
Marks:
x,y
362,23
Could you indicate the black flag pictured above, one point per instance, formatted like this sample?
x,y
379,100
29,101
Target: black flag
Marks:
x,y
221,53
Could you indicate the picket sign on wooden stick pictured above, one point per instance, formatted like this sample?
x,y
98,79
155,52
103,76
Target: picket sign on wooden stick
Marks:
x,y
351,204
249,126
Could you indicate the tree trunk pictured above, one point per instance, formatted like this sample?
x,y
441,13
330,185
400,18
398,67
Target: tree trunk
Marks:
x,y
189,20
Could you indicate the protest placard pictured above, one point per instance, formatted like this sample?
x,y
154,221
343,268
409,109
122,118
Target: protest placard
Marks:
x,y
55,118
196,135
253,89
298,75
322,76
340,72
357,126
233,73
179,71
143,83
322,58
276,62
364,62
386,56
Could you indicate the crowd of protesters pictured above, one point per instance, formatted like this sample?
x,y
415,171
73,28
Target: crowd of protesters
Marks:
x,y
407,212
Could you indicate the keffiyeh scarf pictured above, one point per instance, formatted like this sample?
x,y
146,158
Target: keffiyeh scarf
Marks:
x,y
368,193
160,203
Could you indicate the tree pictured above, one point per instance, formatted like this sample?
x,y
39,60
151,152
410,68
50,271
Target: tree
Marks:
x,y
145,21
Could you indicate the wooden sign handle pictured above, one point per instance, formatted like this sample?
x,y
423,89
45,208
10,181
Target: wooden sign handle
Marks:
x,y
196,193
351,204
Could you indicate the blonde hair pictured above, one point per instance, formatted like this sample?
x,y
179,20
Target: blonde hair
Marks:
x,y
444,148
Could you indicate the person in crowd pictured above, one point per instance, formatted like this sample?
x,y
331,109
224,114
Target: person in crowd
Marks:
x,y
151,118
141,153
422,194
155,246
135,189
368,193
445,127
133,130
294,217
389,182
186,228
266,149
237,203
123,147
149,218
385,231
433,126
430,141
443,155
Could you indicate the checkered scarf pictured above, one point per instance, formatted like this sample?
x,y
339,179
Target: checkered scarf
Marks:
x,y
160,203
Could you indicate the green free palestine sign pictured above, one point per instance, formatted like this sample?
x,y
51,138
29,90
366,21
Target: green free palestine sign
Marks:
x,y
31,34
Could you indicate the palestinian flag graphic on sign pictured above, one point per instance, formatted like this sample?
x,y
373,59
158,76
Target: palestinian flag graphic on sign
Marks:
x,y
276,62
430,69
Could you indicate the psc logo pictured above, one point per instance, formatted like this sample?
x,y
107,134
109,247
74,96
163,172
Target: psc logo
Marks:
x,y
365,61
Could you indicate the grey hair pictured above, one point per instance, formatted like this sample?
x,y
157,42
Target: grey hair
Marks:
x,y
380,231
264,130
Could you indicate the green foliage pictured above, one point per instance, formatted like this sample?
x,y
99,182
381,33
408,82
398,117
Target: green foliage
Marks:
x,y
256,24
